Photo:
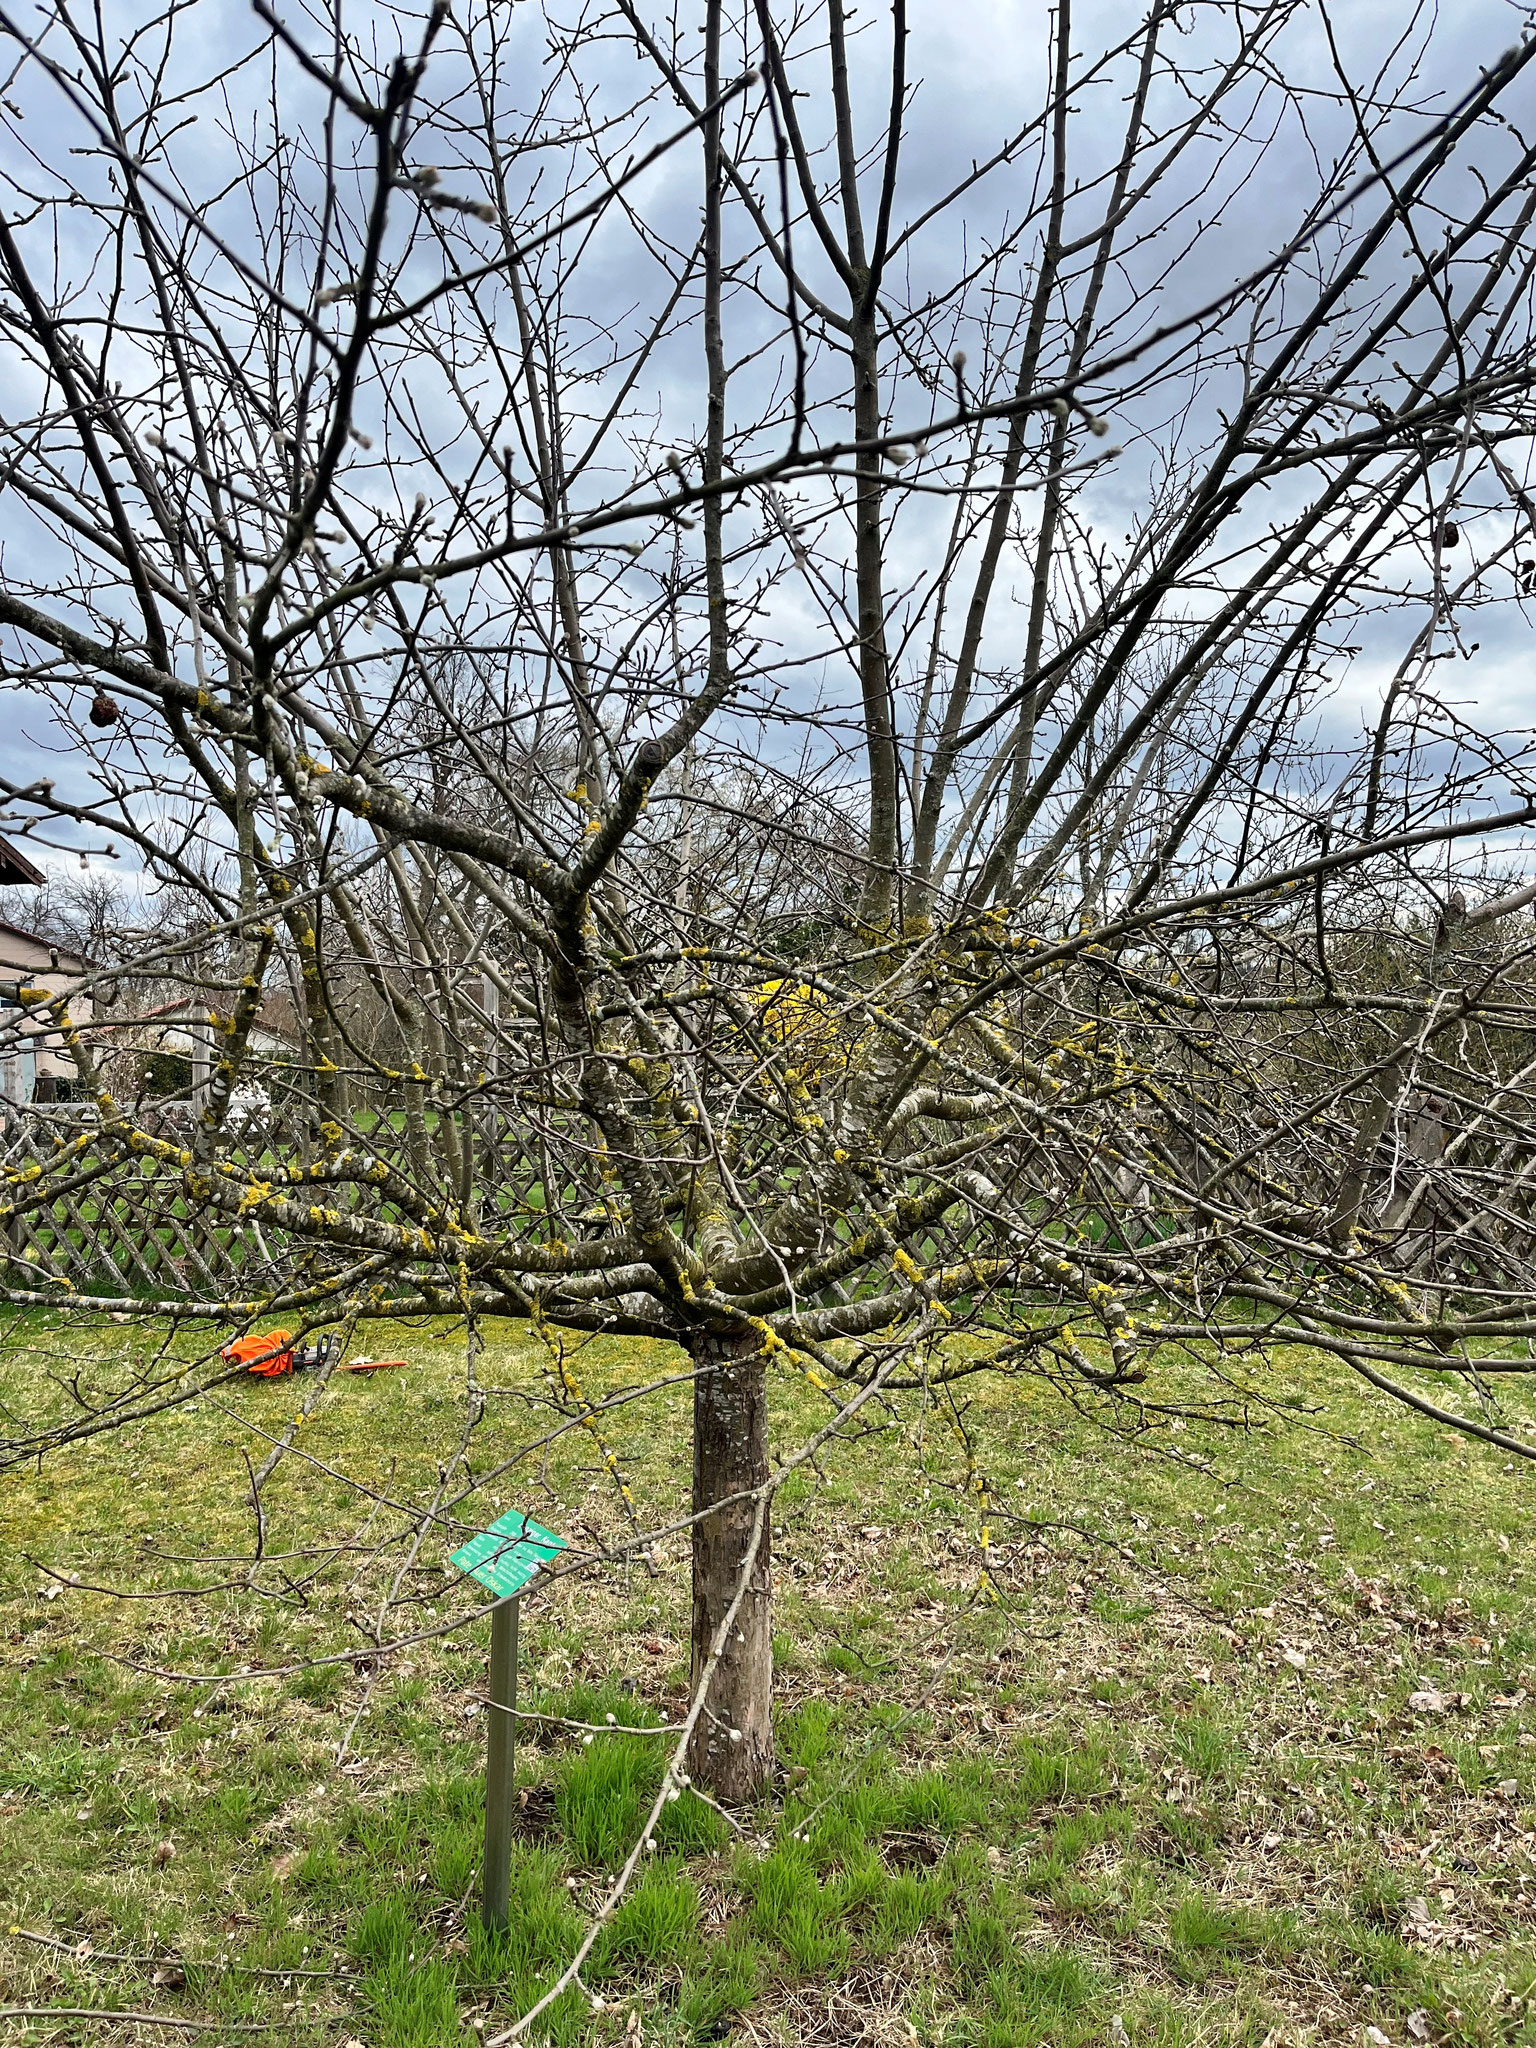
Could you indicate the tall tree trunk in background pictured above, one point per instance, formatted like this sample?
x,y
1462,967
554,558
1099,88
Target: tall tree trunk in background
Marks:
x,y
732,1749
730,1398
878,893
863,267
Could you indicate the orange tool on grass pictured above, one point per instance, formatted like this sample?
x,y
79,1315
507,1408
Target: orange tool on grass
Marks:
x,y
273,1355
268,1356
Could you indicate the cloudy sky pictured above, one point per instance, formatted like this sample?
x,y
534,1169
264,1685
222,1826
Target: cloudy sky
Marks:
x,y
979,71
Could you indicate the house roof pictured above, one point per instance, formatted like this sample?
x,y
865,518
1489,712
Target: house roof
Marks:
x,y
62,954
15,868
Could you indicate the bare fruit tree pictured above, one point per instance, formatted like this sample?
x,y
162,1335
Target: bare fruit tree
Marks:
x,y
864,759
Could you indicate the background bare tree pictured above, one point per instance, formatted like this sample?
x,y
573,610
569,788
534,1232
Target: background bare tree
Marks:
x,y
860,774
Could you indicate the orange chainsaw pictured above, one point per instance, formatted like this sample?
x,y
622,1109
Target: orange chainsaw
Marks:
x,y
275,1354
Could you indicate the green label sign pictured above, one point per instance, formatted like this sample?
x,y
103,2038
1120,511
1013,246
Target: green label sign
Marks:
x,y
506,1557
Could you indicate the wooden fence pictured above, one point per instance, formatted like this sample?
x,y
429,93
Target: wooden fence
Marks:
x,y
122,1234
133,1228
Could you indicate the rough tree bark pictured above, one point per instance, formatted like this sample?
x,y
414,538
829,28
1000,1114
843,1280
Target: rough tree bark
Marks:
x,y
732,1748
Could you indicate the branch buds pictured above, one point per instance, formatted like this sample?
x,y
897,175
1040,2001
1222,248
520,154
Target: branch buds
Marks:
x,y
447,202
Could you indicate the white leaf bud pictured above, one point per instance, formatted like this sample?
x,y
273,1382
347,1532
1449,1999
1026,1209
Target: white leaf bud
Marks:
x,y
1098,426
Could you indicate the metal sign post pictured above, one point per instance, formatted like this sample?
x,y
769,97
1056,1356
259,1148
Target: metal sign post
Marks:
x,y
500,1750
503,1560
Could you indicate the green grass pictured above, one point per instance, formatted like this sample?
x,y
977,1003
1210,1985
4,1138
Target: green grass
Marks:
x,y
1160,1767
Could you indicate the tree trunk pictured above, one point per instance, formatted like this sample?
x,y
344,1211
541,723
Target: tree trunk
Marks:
x,y
731,1753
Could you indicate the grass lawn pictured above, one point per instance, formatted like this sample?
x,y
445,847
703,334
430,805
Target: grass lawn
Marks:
x,y
1239,1747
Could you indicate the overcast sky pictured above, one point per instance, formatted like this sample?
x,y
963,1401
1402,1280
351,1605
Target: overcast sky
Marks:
x,y
978,68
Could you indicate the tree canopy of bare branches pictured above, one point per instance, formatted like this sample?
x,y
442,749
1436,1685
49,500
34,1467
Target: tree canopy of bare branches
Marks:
x,y
866,758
